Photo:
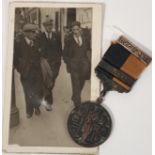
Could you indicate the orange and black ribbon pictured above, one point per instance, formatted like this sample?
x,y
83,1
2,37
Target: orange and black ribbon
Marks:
x,y
122,64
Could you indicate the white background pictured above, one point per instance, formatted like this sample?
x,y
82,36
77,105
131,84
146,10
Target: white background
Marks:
x,y
131,112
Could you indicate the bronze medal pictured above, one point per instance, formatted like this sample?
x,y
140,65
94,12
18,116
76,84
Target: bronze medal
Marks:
x,y
89,124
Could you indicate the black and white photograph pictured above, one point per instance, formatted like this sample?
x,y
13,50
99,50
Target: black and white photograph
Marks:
x,y
51,71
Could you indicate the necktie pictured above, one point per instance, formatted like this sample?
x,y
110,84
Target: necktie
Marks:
x,y
49,36
78,41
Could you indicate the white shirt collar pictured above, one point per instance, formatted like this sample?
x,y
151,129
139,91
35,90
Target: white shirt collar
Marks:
x,y
50,33
76,38
28,41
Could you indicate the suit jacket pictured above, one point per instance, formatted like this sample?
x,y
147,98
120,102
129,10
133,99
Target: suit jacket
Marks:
x,y
50,49
77,57
73,51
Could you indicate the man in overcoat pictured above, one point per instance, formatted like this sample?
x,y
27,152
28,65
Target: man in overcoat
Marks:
x,y
51,51
27,63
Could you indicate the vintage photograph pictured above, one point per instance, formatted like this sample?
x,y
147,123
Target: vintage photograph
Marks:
x,y
51,73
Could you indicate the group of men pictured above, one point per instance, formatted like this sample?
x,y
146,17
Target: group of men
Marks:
x,y
37,57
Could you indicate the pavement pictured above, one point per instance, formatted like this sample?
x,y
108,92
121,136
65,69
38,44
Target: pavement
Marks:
x,y
50,128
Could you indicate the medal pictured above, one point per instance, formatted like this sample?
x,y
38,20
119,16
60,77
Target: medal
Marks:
x,y
90,124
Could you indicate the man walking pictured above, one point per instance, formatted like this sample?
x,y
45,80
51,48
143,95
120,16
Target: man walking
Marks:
x,y
51,51
27,63
77,57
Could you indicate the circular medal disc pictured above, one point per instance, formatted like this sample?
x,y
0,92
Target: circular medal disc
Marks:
x,y
89,124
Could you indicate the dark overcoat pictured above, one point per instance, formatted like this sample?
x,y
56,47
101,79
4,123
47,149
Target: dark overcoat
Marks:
x,y
27,63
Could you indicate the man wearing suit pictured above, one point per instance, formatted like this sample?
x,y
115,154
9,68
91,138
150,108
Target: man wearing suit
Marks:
x,y
51,50
77,58
27,63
